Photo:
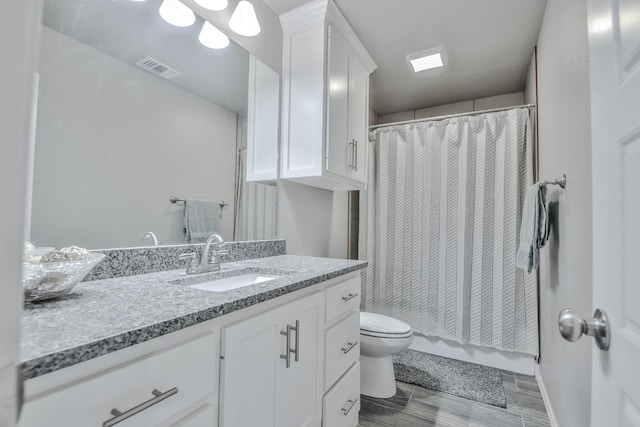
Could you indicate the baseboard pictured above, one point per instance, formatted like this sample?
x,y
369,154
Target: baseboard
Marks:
x,y
516,362
545,398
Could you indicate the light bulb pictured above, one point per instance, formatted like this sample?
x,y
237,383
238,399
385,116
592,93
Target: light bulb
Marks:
x,y
213,4
176,13
244,20
212,37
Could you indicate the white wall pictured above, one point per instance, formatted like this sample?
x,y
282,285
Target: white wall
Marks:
x,y
499,101
304,218
113,143
565,264
339,227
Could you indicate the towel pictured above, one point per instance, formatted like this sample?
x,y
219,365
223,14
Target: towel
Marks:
x,y
534,228
200,220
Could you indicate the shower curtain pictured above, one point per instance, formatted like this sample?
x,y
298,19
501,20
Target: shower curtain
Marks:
x,y
255,206
440,228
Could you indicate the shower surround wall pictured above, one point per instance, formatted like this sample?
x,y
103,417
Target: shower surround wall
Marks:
x,y
440,226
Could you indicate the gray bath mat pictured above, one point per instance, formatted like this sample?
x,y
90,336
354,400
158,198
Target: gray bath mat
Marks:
x,y
468,380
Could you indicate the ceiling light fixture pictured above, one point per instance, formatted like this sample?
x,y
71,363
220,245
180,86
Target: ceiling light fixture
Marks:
x,y
213,4
427,59
244,20
212,37
176,13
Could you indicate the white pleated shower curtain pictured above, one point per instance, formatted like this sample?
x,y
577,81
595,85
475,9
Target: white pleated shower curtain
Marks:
x,y
440,223
255,206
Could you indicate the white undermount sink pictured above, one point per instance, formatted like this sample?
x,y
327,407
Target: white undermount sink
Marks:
x,y
235,282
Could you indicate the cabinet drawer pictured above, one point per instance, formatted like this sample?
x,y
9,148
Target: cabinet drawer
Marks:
x,y
203,417
342,348
190,369
342,298
342,404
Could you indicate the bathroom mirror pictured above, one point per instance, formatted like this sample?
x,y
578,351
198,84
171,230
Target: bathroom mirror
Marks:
x,y
131,111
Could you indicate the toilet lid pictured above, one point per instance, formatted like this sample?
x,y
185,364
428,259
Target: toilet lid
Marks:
x,y
382,325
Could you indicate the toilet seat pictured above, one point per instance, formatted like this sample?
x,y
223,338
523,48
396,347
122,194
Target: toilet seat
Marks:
x,y
380,326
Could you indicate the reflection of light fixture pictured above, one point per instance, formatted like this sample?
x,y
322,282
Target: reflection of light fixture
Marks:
x,y
212,37
213,4
427,59
176,13
244,20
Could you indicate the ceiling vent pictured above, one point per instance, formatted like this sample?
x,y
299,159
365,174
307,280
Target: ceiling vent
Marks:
x,y
158,68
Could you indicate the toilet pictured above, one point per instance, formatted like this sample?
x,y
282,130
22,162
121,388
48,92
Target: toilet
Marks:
x,y
380,338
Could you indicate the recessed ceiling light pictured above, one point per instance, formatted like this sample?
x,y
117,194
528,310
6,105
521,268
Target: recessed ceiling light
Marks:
x,y
212,37
244,20
427,59
176,13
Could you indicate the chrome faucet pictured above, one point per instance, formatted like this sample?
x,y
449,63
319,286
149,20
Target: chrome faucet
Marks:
x,y
151,235
209,260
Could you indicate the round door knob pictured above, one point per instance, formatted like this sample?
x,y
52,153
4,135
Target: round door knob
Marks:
x,y
572,327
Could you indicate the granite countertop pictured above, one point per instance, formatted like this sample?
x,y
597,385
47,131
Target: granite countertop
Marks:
x,y
103,316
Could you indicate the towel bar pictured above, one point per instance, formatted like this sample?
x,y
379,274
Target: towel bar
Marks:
x,y
561,181
174,199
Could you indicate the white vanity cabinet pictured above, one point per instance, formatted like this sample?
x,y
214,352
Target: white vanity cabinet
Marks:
x,y
271,367
290,361
325,99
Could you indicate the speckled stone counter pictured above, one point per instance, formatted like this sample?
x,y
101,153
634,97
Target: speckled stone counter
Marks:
x,y
102,316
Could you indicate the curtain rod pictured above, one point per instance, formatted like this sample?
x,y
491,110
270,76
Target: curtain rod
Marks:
x,y
450,116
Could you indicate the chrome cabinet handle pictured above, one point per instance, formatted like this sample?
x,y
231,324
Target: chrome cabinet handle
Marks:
x,y
351,157
350,404
350,346
287,355
121,416
289,350
297,342
349,297
355,155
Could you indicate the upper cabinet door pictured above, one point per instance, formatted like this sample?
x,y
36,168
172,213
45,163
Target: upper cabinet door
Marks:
x,y
358,120
339,152
262,122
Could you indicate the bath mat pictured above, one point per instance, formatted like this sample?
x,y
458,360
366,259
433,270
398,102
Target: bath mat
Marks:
x,y
468,380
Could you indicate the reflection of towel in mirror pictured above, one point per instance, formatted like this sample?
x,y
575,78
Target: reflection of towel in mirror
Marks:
x,y
200,220
535,227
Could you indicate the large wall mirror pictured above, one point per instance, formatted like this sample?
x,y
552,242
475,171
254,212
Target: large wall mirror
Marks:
x,y
130,112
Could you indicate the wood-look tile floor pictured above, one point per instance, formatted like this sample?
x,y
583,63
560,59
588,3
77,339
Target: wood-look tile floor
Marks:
x,y
417,406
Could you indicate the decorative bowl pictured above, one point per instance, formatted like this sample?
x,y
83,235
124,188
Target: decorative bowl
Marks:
x,y
48,280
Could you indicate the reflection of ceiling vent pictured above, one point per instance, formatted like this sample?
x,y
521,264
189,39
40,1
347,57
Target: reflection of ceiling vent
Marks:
x,y
157,68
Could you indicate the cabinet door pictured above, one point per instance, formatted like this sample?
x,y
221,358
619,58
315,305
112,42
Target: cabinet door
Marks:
x,y
251,357
299,386
358,113
337,148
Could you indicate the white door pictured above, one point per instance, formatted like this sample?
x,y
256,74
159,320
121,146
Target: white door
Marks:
x,y
614,49
20,23
299,385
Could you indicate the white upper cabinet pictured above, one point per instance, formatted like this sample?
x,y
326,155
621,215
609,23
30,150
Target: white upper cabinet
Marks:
x,y
325,99
262,122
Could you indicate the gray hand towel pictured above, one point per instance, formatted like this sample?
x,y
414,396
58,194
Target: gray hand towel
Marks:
x,y
534,228
200,220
